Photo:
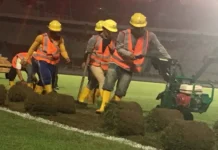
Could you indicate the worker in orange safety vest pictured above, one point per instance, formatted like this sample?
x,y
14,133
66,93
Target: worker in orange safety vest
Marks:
x,y
100,47
49,47
128,58
18,66
91,91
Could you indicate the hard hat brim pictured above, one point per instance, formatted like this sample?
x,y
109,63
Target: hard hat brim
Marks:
x,y
111,30
138,25
53,29
96,29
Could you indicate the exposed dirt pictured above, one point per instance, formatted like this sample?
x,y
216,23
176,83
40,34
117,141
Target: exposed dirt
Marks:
x,y
18,92
188,135
124,118
66,104
3,94
87,119
41,104
159,118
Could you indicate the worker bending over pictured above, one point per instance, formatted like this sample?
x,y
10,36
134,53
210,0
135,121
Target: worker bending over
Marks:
x,y
18,65
100,48
128,58
50,45
91,91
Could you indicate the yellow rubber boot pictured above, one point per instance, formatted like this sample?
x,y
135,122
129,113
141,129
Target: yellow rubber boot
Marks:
x,y
84,94
101,93
105,99
48,88
11,83
38,89
117,98
30,85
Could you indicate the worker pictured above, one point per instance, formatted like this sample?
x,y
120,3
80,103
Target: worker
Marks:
x,y
17,67
91,91
49,47
100,47
128,58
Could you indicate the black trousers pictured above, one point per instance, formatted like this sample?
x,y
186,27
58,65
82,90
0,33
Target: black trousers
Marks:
x,y
11,75
55,78
92,81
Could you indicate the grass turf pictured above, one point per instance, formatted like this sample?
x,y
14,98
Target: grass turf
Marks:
x,y
143,93
18,133
31,135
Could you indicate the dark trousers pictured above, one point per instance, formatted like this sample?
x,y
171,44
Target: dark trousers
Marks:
x,y
11,75
44,70
55,78
92,81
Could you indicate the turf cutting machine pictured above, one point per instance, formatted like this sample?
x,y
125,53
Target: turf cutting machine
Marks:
x,y
182,92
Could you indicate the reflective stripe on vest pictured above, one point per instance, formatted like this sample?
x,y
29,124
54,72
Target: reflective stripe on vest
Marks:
x,y
21,56
141,48
48,52
98,58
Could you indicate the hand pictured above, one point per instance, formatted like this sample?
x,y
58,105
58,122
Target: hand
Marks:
x,y
132,57
68,60
24,62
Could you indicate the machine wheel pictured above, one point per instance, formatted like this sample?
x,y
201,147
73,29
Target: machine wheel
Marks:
x,y
186,113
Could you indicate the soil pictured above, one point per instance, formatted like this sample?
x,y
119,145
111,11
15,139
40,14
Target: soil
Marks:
x,y
129,113
87,119
124,118
66,104
41,104
188,135
18,92
159,118
3,94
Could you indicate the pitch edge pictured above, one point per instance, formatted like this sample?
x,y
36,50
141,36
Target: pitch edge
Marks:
x,y
90,133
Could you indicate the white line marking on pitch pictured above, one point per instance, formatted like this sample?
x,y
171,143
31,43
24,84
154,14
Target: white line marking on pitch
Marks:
x,y
90,133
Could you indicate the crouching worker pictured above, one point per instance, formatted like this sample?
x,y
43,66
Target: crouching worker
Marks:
x,y
18,65
128,58
49,48
100,48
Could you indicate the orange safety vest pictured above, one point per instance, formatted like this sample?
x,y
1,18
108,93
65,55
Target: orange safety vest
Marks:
x,y
48,51
98,57
21,56
141,48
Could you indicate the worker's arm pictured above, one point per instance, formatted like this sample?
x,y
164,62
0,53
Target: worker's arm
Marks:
x,y
153,38
64,51
120,46
90,47
18,68
112,48
34,46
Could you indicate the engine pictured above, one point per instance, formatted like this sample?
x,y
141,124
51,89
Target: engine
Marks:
x,y
183,100
184,97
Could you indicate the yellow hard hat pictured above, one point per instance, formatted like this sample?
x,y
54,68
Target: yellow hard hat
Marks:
x,y
98,25
55,25
110,25
138,20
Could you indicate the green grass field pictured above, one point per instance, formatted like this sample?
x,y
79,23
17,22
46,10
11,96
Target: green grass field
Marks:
x,y
31,135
